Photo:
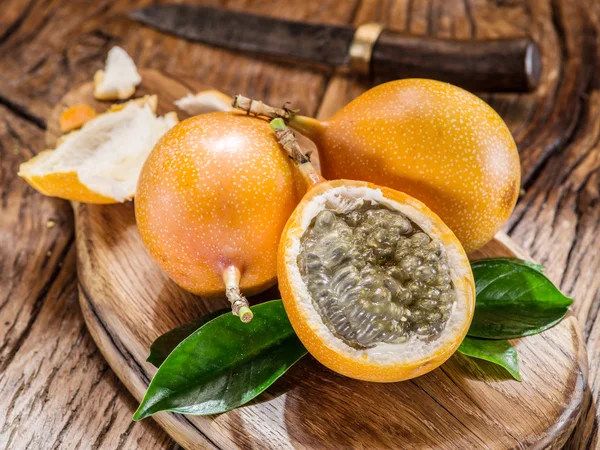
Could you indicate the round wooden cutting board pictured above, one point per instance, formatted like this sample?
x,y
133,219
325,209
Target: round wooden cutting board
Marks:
x,y
127,302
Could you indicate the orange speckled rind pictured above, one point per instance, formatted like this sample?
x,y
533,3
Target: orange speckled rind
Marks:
x,y
65,185
435,142
366,370
75,116
216,191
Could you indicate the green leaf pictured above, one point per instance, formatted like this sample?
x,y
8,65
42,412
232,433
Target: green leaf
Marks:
x,y
224,364
166,343
498,352
514,300
535,266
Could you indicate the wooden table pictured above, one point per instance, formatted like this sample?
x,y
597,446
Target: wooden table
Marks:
x,y
56,390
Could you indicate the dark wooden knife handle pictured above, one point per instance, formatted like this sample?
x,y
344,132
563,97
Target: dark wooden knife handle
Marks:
x,y
486,65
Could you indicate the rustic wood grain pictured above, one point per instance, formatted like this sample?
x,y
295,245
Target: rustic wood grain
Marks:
x,y
57,390
127,302
48,47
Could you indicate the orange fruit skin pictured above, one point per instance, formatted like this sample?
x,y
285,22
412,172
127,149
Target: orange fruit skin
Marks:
x,y
75,117
366,370
432,140
216,191
66,185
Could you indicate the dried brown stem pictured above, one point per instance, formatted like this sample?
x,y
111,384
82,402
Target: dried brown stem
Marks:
x,y
288,141
258,108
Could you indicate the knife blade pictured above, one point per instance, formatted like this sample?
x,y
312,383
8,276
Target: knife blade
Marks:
x,y
486,65
244,32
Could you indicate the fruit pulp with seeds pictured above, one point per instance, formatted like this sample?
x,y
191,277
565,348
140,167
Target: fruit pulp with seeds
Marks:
x,y
375,277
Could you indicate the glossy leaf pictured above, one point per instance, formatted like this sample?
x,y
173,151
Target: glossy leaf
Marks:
x,y
224,364
497,352
537,267
164,344
514,300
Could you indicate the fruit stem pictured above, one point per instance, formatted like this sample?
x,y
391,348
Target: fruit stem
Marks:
x,y
239,303
258,108
309,127
287,139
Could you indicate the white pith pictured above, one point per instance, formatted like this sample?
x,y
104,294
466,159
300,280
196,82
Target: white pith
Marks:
x,y
119,78
204,102
347,198
108,153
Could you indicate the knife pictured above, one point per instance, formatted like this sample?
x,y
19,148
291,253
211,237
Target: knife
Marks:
x,y
509,64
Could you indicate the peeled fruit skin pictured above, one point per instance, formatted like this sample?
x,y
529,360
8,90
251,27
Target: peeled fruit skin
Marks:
x,y
326,352
216,191
75,116
431,140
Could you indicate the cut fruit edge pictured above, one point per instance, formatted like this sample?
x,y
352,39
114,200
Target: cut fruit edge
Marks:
x,y
383,362
100,163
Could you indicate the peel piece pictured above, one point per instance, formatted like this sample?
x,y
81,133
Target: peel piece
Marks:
x,y
75,116
101,162
119,78
204,102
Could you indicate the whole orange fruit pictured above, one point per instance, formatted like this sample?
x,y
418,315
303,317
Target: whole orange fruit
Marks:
x,y
212,200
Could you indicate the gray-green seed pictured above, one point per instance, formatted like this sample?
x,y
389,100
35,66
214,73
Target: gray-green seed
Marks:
x,y
374,276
